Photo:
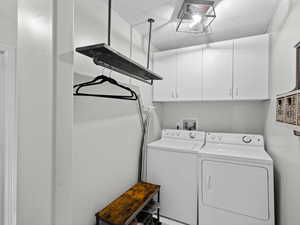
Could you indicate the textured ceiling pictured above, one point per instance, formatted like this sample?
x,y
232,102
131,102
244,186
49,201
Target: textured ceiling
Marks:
x,y
235,18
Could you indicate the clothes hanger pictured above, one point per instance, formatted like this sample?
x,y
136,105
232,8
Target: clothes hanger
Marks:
x,y
100,80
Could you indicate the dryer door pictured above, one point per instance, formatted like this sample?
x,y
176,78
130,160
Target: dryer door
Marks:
x,y
236,188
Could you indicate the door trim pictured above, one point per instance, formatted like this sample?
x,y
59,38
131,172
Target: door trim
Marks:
x,y
10,126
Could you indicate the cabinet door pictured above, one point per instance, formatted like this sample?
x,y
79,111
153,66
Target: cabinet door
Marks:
x,y
251,68
190,74
234,188
165,65
217,71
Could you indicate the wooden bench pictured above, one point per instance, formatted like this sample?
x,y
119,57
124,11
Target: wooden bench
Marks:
x,y
124,209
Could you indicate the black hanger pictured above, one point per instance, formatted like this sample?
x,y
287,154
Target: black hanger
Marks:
x,y
100,80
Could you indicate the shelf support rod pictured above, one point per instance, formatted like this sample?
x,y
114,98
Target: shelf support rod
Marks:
x,y
151,21
109,23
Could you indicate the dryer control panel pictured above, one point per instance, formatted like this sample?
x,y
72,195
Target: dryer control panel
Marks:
x,y
183,134
238,139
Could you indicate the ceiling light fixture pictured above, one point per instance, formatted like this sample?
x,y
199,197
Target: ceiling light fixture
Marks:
x,y
196,19
195,16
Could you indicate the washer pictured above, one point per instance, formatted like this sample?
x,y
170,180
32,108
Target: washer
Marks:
x,y
172,162
235,181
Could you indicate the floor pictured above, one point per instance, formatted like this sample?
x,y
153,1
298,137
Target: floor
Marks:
x,y
166,221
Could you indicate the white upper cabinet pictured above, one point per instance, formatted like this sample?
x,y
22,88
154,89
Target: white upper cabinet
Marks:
x,y
189,86
165,65
217,71
251,68
228,70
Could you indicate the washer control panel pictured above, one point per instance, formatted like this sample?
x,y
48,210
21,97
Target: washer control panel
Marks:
x,y
183,134
242,139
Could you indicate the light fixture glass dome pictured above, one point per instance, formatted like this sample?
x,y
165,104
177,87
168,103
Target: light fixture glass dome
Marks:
x,y
195,16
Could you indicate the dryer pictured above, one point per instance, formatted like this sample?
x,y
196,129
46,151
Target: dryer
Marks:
x,y
235,181
172,162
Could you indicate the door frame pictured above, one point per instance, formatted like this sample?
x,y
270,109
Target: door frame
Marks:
x,y
10,132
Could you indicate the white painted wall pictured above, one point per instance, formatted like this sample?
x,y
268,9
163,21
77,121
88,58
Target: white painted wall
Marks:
x,y
63,26
2,143
281,143
236,117
107,133
8,22
35,112
45,111
8,37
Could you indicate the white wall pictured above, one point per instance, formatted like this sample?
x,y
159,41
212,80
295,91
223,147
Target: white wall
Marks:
x,y
2,144
281,143
35,112
235,117
8,37
44,86
107,133
63,26
8,22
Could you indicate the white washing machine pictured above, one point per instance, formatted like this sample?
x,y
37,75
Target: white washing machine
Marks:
x,y
235,181
172,162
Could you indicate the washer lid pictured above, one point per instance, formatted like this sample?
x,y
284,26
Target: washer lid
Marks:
x,y
236,152
176,145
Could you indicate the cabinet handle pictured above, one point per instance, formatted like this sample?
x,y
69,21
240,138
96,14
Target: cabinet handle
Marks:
x,y
177,93
209,186
237,92
173,93
230,92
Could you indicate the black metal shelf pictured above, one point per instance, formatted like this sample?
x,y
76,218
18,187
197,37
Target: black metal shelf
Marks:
x,y
104,55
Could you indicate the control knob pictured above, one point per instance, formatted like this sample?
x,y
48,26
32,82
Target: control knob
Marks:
x,y
247,139
192,135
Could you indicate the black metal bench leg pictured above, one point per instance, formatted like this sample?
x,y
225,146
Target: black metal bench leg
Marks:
x,y
158,209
